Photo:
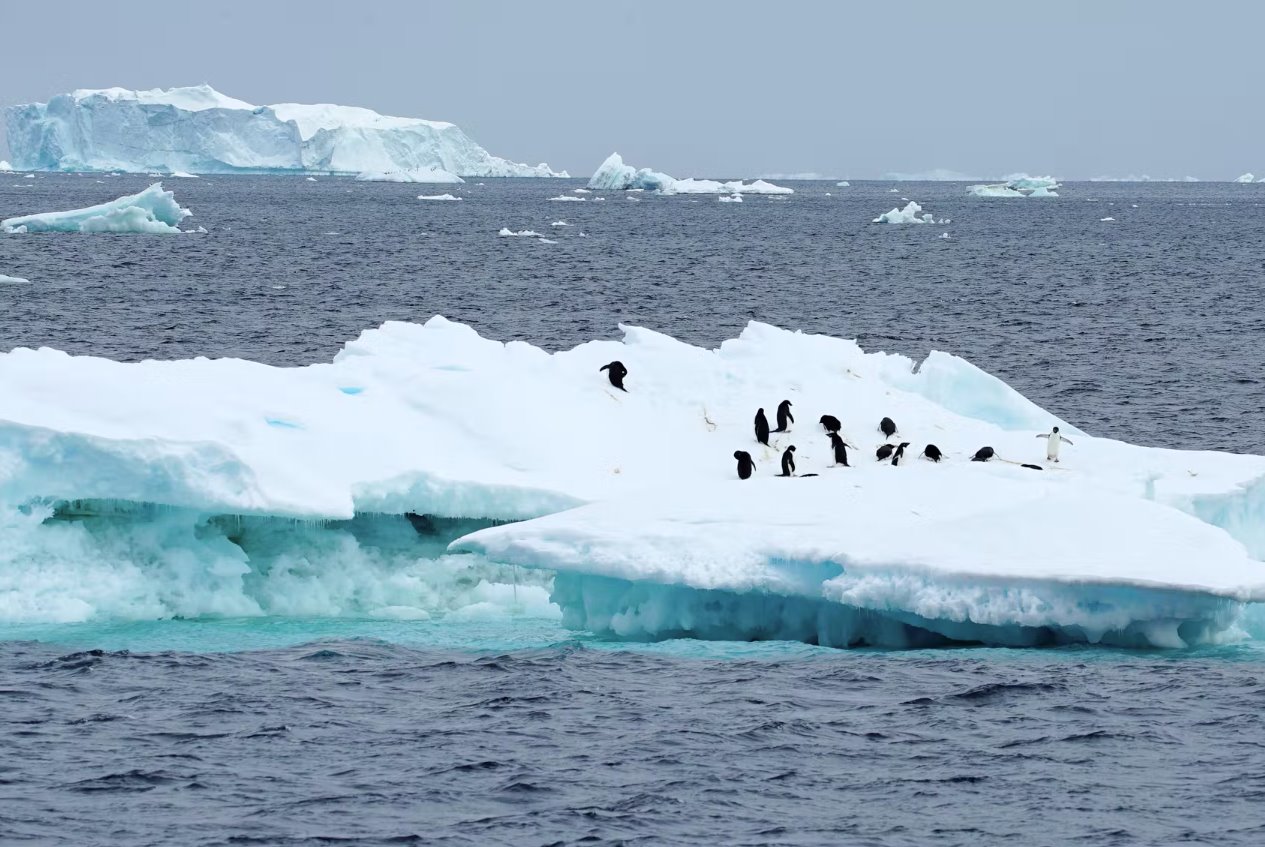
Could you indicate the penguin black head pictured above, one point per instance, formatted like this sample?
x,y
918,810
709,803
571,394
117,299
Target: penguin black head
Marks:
x,y
904,444
790,449
737,454
1056,429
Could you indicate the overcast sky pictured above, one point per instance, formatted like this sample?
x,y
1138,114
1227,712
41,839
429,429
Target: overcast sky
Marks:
x,y
1077,88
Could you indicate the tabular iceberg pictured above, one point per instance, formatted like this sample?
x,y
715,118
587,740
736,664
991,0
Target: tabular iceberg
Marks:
x,y
199,130
151,211
183,501
1019,185
614,175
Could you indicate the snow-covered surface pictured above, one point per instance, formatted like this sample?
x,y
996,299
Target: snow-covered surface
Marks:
x,y
614,175
1247,177
151,211
437,197
199,130
12,279
435,175
912,213
1119,543
1018,185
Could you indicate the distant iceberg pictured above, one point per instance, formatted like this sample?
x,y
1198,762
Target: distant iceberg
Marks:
x,y
151,211
1018,185
911,214
614,175
934,175
1247,177
842,184
199,130
506,232
431,175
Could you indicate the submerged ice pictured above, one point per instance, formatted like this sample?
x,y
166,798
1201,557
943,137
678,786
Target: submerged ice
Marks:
x,y
228,487
199,130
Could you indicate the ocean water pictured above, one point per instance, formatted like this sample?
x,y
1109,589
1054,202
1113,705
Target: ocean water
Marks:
x,y
497,726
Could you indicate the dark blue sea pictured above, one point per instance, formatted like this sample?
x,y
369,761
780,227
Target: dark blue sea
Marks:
x,y
509,729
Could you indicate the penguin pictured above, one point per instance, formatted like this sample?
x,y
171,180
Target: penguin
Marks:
x,y
745,465
784,415
983,454
841,449
885,451
831,423
616,372
788,461
1052,441
761,428
900,453
933,453
888,427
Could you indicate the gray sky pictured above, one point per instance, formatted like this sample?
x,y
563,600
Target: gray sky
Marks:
x,y
1079,88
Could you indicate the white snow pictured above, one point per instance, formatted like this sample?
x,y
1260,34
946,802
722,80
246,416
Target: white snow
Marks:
x,y
1245,178
12,279
151,211
614,175
1118,544
506,232
437,197
435,175
199,130
911,214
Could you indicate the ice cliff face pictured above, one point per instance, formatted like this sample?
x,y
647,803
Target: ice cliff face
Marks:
x,y
199,130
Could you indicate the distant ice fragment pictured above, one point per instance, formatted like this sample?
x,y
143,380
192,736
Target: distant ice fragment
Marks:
x,y
563,198
560,223
911,214
614,175
732,198
842,184
1104,220
5,167
12,279
151,211
1018,185
506,232
547,241
310,179
1245,178
183,175
437,197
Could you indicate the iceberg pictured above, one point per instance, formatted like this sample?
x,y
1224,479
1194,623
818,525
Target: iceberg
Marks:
x,y
437,197
1245,178
12,279
506,232
433,175
151,211
614,175
843,184
183,175
1018,185
228,487
911,214
5,167
199,130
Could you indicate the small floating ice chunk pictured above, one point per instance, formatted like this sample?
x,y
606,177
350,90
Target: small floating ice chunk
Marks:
x,y
310,179
506,232
563,198
5,167
732,198
842,184
1104,220
581,191
1246,178
4,279
151,211
546,241
911,214
560,223
944,235
437,197
30,176
183,175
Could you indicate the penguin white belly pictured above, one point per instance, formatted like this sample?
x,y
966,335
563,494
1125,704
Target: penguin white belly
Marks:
x,y
1052,447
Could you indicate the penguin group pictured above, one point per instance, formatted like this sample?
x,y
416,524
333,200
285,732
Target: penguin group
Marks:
x,y
831,425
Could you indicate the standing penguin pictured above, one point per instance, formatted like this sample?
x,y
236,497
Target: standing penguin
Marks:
x,y
841,449
900,453
983,454
784,415
788,462
933,453
831,423
745,465
1053,440
616,372
888,427
883,452
761,428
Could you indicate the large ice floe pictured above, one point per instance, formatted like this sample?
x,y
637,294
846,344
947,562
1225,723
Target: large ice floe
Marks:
x,y
427,470
1018,185
614,175
198,130
151,211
